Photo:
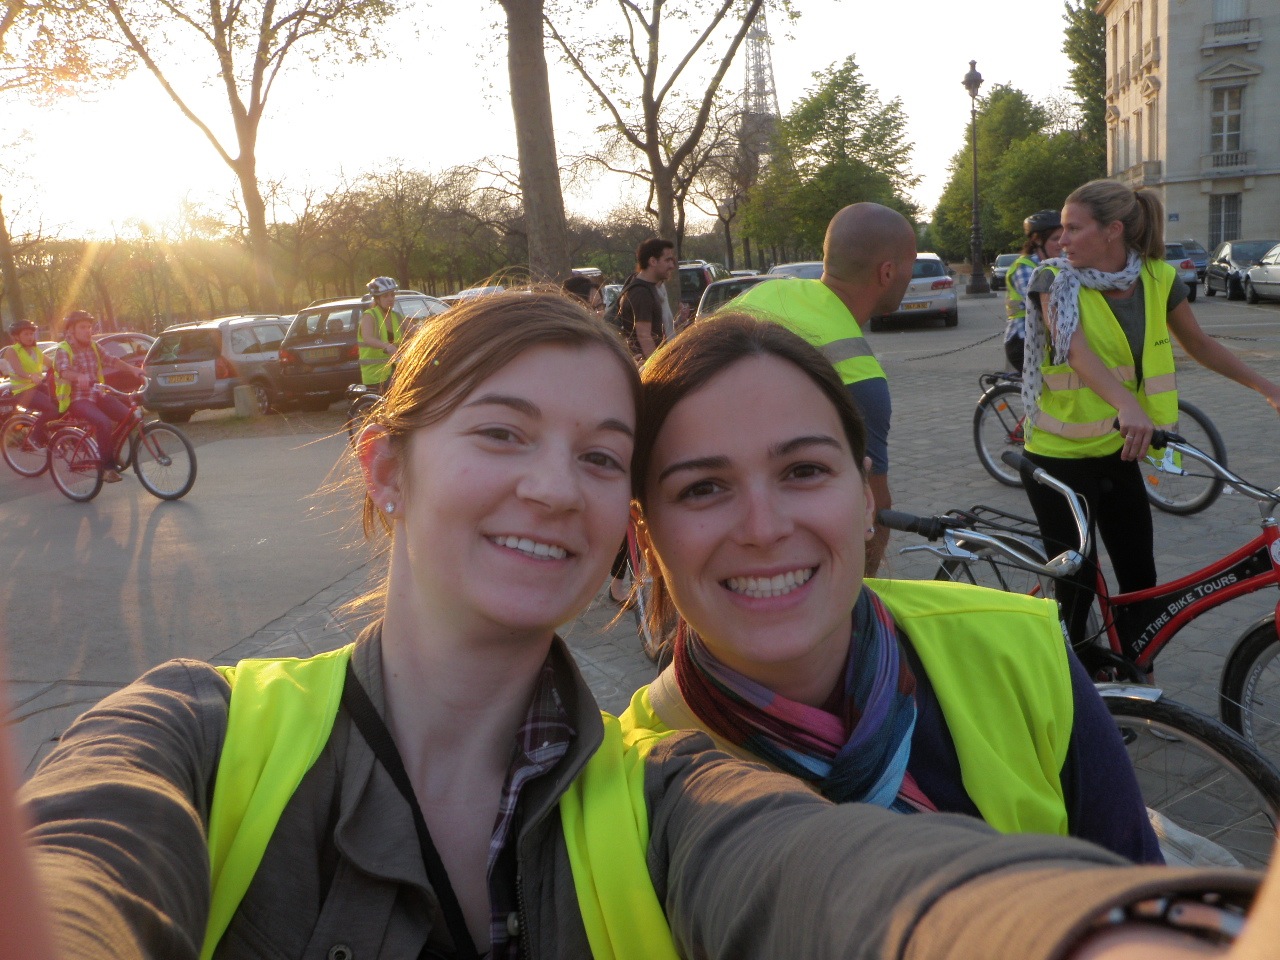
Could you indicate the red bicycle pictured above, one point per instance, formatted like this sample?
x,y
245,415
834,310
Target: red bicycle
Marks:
x,y
1131,629
160,454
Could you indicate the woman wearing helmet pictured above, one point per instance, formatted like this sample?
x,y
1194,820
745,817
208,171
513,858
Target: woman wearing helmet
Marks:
x,y
380,331
27,369
1043,230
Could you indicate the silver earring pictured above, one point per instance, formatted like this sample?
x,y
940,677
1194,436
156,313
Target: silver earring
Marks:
x,y
871,530
390,507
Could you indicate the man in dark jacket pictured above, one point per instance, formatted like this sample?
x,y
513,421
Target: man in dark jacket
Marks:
x,y
644,314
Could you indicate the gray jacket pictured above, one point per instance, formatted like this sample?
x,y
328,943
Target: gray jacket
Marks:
x,y
747,863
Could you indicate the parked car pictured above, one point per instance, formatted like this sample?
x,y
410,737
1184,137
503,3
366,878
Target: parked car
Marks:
x,y
722,291
197,366
610,293
319,358
804,269
1262,281
931,293
695,277
744,273
1228,264
1198,254
1175,254
1000,269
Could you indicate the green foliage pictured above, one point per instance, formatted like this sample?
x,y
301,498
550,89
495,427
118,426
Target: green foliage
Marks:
x,y
1085,44
840,144
1026,162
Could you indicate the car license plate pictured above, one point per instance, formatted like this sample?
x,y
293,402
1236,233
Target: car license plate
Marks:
x,y
180,378
915,306
323,354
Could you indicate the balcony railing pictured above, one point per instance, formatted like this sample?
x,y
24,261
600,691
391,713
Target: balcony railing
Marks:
x,y
1124,75
1143,173
1135,65
1112,82
1151,52
1231,33
1226,160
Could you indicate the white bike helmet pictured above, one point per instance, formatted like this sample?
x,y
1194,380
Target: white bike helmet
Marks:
x,y
380,285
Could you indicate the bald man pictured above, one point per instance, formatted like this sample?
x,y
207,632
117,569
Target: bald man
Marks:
x,y
867,259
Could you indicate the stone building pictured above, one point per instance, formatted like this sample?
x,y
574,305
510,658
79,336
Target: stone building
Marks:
x,y
1193,111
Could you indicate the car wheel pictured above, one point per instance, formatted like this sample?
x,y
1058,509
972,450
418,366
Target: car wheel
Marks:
x,y
951,317
1250,294
261,398
1191,293
1208,288
175,416
876,324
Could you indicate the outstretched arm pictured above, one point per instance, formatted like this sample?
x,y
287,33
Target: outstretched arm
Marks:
x,y
1208,352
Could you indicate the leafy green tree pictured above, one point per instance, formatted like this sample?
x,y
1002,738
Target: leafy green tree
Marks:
x,y
1005,117
1085,44
1037,173
840,144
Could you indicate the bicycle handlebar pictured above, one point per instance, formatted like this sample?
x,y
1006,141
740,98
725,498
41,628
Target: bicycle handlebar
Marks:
x,y
960,538
130,396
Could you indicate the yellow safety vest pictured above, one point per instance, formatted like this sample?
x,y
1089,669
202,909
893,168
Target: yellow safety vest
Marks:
x,y
1015,306
31,364
63,387
1072,421
278,722
998,665
375,365
811,309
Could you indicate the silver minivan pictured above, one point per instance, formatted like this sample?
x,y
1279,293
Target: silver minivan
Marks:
x,y
197,366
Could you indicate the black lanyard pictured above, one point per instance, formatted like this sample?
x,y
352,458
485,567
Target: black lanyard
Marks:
x,y
376,734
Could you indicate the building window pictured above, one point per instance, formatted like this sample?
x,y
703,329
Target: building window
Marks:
x,y
1153,130
1137,137
1227,10
1125,145
1224,218
1224,119
1115,150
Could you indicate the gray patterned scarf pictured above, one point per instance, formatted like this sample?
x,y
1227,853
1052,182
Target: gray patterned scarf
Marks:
x,y
1064,317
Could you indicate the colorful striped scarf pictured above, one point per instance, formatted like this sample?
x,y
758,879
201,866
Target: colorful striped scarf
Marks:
x,y
859,752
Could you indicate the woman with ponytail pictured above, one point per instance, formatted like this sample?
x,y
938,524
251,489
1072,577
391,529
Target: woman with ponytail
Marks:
x,y
1099,377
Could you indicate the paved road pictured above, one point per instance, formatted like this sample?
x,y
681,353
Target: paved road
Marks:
x,y
255,561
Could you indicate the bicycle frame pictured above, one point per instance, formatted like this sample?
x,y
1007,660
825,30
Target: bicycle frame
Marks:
x,y
1141,623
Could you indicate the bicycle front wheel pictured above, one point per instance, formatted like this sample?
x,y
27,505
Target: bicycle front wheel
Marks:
x,y
19,448
164,461
1181,485
997,427
1250,697
74,464
1201,776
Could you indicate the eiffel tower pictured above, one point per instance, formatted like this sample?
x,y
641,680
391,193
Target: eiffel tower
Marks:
x,y
759,99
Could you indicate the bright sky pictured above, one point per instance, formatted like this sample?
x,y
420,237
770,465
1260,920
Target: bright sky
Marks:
x,y
440,99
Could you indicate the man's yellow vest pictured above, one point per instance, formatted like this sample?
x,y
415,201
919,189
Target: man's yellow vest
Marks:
x,y
1074,422
375,366
31,364
1014,304
998,665
809,308
63,387
279,720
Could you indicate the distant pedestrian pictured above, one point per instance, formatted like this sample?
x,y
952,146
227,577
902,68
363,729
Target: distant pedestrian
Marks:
x,y
1044,231
379,334
644,314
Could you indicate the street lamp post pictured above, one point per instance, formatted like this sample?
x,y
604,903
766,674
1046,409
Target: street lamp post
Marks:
x,y
977,276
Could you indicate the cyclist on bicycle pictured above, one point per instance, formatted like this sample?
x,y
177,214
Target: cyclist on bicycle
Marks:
x,y
1043,230
379,334
78,366
28,366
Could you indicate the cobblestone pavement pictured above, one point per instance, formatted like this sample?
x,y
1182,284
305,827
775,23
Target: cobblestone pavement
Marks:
x,y
933,375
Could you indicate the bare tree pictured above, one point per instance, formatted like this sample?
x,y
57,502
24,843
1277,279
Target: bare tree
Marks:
x,y
248,43
540,187
638,85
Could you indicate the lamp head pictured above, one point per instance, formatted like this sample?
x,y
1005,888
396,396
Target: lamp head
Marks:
x,y
973,79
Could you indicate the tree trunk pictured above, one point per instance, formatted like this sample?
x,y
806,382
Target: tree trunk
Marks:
x,y
9,269
536,141
263,295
